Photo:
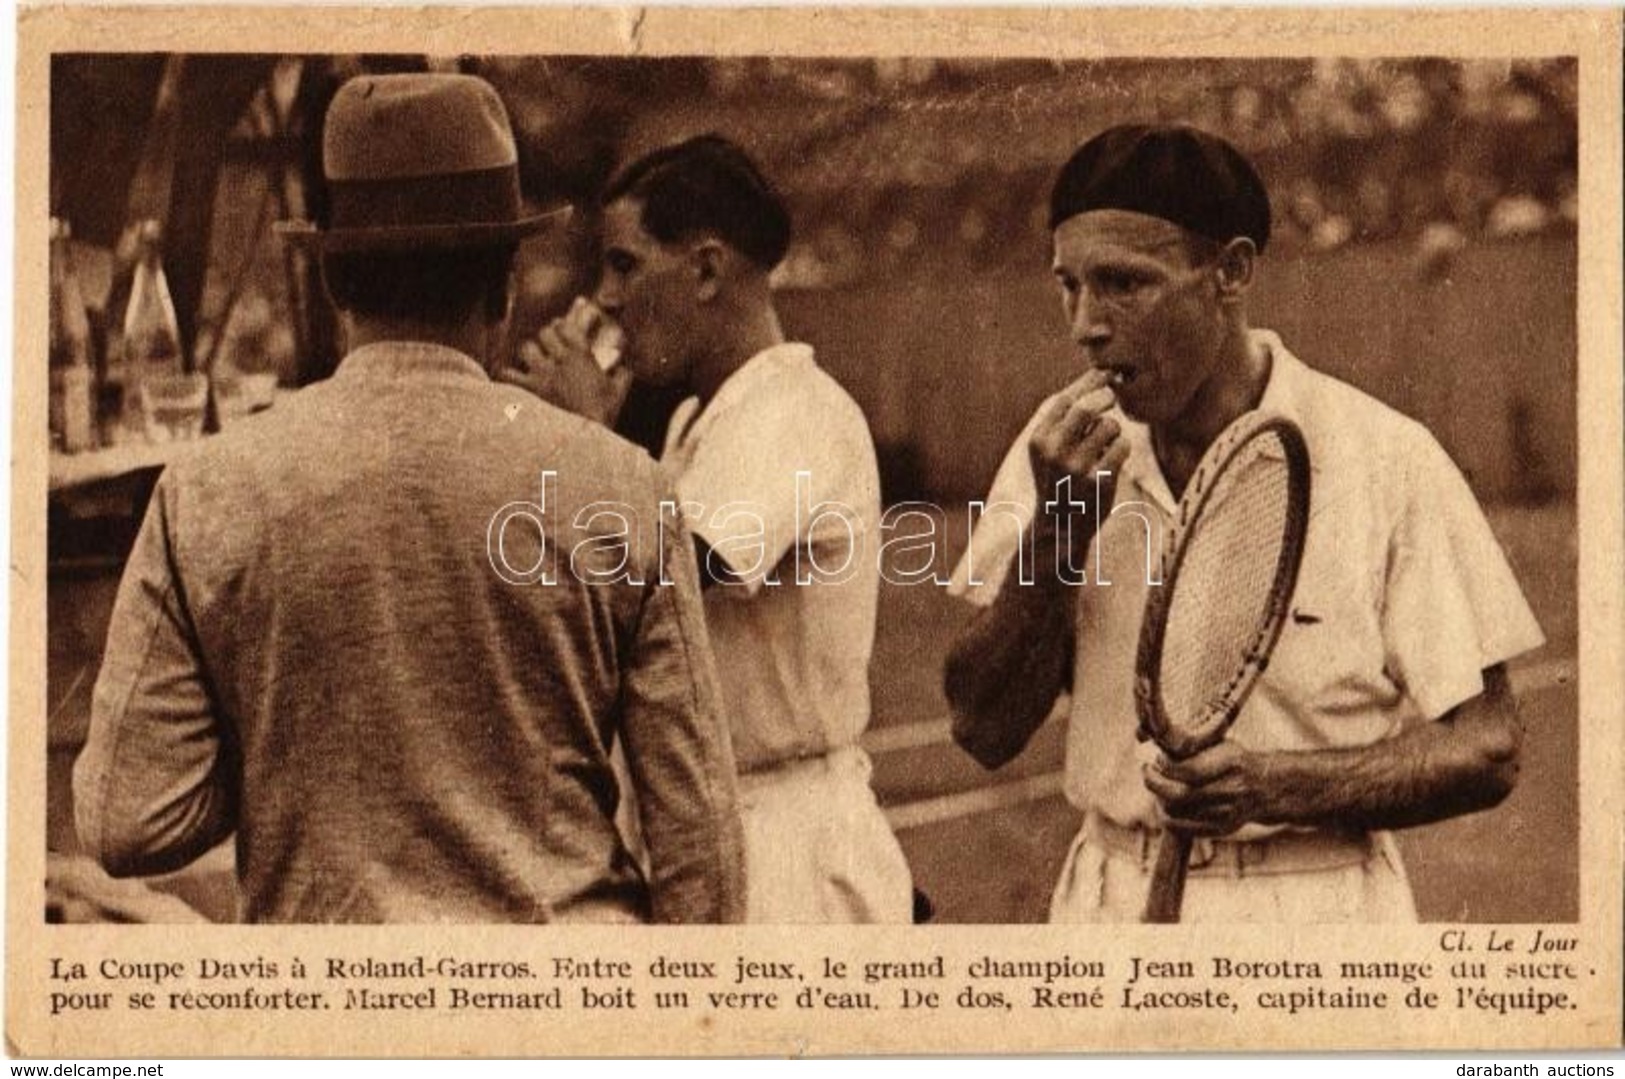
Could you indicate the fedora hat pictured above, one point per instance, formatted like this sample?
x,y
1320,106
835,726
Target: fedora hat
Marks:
x,y
416,162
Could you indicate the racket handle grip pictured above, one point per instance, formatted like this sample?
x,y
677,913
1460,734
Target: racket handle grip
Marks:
x,y
1167,893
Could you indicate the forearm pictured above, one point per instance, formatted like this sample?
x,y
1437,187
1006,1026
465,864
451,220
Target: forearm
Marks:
x,y
688,809
1464,762
156,785
700,879
681,758
147,802
689,812
1010,663
130,839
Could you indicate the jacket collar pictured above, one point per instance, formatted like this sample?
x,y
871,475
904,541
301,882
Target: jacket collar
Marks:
x,y
409,359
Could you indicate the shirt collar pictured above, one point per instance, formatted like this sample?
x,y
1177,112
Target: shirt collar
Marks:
x,y
395,359
1282,397
749,375
1282,394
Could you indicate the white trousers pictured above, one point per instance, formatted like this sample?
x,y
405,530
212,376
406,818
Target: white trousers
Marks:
x,y
1101,882
817,846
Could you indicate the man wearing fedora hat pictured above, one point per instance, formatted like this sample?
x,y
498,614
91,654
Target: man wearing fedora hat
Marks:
x,y
1386,702
322,642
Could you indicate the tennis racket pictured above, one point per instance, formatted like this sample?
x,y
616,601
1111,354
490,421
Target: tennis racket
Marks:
x,y
1228,574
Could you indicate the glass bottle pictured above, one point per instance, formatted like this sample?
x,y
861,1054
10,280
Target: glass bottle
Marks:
x,y
72,400
171,400
117,410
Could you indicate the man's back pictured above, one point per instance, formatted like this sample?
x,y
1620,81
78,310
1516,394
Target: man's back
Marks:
x,y
419,737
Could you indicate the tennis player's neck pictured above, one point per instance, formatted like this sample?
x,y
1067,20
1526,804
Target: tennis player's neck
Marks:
x,y
1234,389
743,339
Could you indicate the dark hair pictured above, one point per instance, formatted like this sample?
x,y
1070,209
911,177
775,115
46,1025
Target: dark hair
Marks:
x,y
436,286
707,184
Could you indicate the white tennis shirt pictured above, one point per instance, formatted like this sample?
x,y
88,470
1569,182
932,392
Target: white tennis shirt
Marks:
x,y
777,474
1403,599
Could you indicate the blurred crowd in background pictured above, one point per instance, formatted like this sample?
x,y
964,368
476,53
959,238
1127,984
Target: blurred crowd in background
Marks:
x,y
887,159
919,188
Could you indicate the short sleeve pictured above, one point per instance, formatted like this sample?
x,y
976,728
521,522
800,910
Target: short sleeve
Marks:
x,y
1002,519
1452,607
761,478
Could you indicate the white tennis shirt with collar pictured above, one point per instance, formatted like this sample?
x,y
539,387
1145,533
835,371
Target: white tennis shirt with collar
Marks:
x,y
777,474
1403,599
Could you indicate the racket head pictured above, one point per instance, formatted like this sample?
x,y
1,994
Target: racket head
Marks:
x,y
1229,571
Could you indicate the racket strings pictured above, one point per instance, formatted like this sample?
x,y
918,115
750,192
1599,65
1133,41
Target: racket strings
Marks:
x,y
1224,593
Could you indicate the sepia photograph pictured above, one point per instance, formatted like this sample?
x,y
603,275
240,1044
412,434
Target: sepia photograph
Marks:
x,y
902,494
898,231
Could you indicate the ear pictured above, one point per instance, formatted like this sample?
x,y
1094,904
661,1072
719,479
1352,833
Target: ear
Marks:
x,y
1235,269
709,258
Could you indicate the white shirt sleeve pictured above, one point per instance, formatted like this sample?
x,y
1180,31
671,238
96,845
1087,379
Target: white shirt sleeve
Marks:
x,y
1452,605
1002,519
764,480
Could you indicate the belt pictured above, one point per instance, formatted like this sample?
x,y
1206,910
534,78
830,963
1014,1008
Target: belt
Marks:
x,y
842,758
1282,852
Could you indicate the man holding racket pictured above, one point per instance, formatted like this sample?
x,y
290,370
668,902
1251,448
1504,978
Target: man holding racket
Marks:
x,y
1385,703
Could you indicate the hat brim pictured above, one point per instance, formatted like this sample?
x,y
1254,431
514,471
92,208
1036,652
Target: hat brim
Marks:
x,y
419,237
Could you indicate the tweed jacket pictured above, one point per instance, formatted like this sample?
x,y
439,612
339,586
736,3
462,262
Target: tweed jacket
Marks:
x,y
387,634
